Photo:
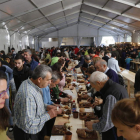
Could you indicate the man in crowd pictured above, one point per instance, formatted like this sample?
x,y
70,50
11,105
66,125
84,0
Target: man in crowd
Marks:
x,y
13,52
101,66
111,92
113,63
114,51
28,57
92,54
29,111
107,56
80,59
21,72
87,63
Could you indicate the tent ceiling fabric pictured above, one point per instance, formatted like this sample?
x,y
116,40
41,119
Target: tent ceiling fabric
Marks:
x,y
40,17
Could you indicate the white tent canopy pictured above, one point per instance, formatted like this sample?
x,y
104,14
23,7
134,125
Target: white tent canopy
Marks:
x,y
40,17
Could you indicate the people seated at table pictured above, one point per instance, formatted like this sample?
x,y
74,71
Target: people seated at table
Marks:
x,y
113,63
125,117
101,66
111,92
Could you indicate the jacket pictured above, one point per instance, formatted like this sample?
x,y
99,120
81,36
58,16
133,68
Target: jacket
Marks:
x,y
110,93
81,62
19,77
106,58
33,64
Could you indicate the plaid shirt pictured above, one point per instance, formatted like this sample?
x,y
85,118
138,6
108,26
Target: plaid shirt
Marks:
x,y
30,113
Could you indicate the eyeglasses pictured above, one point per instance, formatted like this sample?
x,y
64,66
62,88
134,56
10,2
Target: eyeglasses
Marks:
x,y
2,94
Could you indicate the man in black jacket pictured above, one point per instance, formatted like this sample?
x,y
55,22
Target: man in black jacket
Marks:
x,y
107,56
111,92
21,72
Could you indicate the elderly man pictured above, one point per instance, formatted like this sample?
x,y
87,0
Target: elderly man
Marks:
x,y
111,92
101,66
30,112
29,61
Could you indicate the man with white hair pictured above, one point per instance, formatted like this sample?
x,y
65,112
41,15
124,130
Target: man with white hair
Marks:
x,y
111,92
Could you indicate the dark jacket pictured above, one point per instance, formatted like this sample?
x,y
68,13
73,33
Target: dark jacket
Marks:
x,y
20,76
33,64
117,55
112,75
86,65
106,58
81,62
114,89
137,81
111,93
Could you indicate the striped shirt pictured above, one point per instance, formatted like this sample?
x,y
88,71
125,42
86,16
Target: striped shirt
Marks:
x,y
29,111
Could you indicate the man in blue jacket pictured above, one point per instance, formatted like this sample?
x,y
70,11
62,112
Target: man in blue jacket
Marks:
x,y
29,61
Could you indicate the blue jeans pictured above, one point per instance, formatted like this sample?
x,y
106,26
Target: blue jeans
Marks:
x,y
7,105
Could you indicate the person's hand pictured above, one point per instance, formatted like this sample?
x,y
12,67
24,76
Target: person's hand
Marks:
x,y
86,82
69,96
98,101
64,99
59,111
89,125
85,96
49,107
52,113
57,105
89,99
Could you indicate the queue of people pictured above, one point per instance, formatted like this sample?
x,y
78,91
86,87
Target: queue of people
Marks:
x,y
36,90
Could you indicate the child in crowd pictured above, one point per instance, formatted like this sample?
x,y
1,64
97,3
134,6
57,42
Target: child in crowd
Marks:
x,y
127,60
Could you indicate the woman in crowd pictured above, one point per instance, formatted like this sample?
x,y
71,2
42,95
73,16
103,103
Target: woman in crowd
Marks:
x,y
9,73
126,118
4,113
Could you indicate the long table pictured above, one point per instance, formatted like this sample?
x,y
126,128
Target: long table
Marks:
x,y
75,123
130,76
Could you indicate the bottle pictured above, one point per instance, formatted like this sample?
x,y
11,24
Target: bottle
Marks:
x,y
73,106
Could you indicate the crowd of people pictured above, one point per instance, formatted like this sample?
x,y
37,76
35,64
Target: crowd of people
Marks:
x,y
32,82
